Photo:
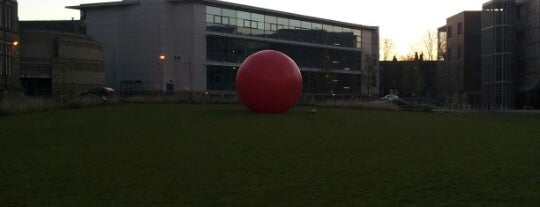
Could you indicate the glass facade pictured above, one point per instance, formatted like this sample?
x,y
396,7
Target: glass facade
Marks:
x,y
223,49
253,24
498,40
331,61
222,78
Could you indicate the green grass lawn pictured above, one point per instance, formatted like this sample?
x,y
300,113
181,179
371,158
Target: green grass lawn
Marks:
x,y
221,155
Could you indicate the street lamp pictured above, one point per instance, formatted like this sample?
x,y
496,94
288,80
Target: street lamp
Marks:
x,y
161,60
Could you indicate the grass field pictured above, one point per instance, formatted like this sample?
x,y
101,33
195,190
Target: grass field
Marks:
x,y
221,155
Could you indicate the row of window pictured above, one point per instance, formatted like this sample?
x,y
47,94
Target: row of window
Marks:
x,y
247,23
222,49
222,78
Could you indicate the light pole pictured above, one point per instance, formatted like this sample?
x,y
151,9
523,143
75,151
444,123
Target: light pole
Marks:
x,y
161,61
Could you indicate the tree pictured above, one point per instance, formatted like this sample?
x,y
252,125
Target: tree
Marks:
x,y
413,82
369,75
430,42
387,48
441,53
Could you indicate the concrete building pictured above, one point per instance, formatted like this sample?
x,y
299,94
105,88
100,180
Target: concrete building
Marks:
x,y
459,72
59,63
9,47
184,45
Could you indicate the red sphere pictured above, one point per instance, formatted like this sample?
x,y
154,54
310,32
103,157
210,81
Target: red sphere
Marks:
x,y
269,82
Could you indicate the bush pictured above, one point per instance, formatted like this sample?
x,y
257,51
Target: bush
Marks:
x,y
26,104
362,105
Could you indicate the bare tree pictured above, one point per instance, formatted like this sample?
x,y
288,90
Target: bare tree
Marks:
x,y
430,42
388,48
441,53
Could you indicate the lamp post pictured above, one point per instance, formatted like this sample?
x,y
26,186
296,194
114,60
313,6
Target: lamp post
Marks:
x,y
161,61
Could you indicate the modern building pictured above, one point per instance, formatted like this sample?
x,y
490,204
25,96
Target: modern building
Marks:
x,y
459,72
197,45
58,62
528,55
499,69
509,57
511,54
9,47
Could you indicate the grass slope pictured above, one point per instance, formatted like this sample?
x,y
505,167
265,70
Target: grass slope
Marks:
x,y
221,155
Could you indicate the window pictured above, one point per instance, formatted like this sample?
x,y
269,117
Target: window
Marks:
x,y
247,23
460,29
225,20
295,24
459,52
449,54
229,13
243,15
449,32
217,19
213,10
284,22
306,25
273,27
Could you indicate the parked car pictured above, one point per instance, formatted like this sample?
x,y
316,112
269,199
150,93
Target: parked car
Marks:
x,y
102,92
392,99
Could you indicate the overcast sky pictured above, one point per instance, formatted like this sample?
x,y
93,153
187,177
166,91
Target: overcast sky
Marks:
x,y
403,21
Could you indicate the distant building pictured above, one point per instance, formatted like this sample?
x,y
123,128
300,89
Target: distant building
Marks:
x,y
58,63
9,47
409,79
459,71
70,26
183,45
509,57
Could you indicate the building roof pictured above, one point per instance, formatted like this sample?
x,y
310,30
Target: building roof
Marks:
x,y
56,25
275,12
104,4
228,5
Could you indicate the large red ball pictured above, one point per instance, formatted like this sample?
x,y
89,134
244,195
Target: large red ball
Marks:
x,y
269,82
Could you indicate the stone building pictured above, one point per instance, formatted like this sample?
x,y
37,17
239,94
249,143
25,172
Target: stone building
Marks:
x,y
59,63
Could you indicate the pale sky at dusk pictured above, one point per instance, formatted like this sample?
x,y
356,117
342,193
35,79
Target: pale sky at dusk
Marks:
x,y
404,22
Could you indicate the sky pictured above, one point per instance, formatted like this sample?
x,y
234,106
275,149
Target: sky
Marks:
x,y
405,22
